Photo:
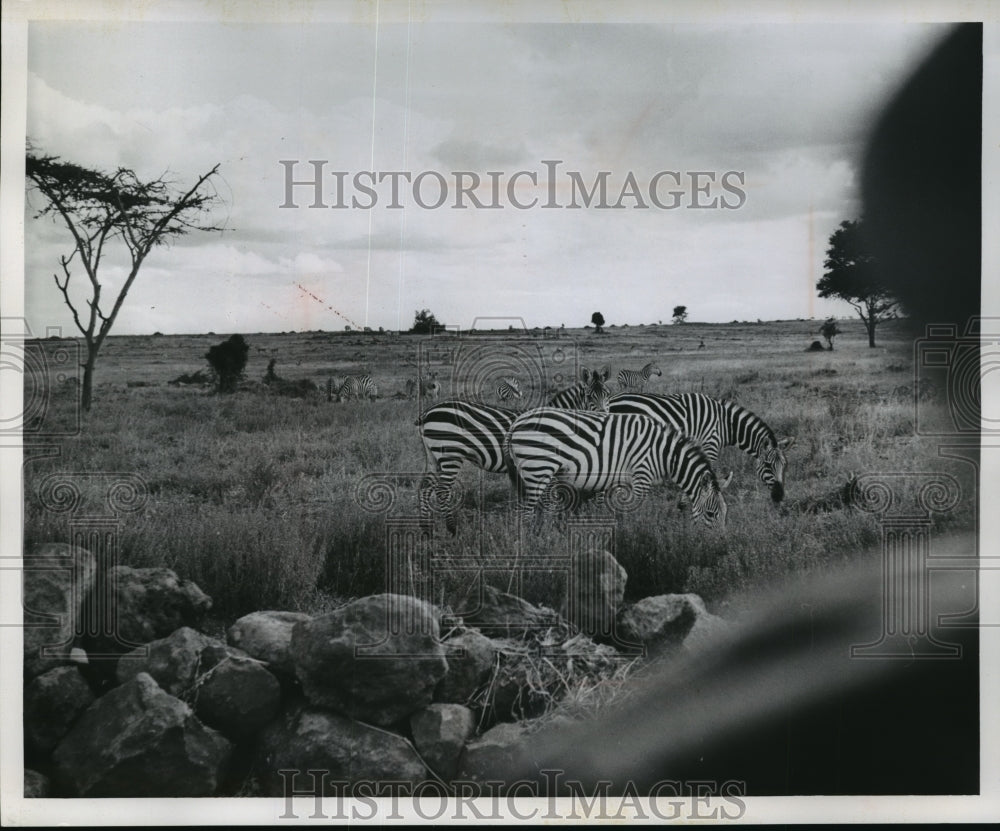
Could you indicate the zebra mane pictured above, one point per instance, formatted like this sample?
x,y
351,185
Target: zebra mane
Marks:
x,y
735,411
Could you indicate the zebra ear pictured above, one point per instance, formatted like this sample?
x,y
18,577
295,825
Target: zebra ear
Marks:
x,y
785,443
585,375
605,373
725,484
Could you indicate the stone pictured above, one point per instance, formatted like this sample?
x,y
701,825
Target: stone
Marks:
x,y
471,657
499,614
52,702
496,754
237,696
440,732
377,659
150,603
344,750
664,622
595,592
267,636
174,661
56,579
139,741
36,785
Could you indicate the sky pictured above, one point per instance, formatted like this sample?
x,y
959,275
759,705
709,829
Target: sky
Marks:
x,y
778,110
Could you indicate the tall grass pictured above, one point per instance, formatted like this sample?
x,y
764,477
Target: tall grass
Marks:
x,y
253,495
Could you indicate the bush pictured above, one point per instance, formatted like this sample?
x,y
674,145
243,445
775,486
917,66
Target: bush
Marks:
x,y
228,360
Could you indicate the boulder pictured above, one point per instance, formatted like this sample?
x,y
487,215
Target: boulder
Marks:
x,y
150,603
36,785
440,732
237,696
496,754
267,636
377,659
471,657
665,622
139,741
174,661
499,614
344,750
52,702
595,592
56,578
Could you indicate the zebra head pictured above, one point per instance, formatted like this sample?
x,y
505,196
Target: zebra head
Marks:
x,y
709,504
771,464
508,388
652,369
596,390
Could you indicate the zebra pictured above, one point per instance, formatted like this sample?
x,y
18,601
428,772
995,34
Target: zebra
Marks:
x,y
592,393
455,432
714,424
630,379
357,386
508,388
594,452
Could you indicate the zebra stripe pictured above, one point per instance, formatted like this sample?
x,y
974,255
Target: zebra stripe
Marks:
x,y
592,393
716,424
508,388
630,379
357,386
594,452
455,432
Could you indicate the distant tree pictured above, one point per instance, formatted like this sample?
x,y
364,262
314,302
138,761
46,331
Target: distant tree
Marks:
x,y
851,275
680,314
424,323
598,320
829,330
99,208
228,360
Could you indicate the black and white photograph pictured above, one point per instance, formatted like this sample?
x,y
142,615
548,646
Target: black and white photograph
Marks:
x,y
538,412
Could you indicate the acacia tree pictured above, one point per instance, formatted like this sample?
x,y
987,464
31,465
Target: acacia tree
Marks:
x,y
851,276
680,314
598,320
424,323
100,208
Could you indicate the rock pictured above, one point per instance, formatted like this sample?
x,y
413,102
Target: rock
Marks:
x,y
505,615
663,623
596,591
359,662
237,696
139,741
496,754
815,346
56,578
36,785
52,702
440,732
174,661
150,603
345,750
471,657
267,636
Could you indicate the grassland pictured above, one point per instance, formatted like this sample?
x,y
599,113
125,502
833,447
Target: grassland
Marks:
x,y
253,495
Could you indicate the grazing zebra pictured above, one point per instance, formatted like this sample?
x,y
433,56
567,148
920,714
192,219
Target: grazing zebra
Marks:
x,y
715,424
357,386
508,388
629,379
597,452
592,393
455,432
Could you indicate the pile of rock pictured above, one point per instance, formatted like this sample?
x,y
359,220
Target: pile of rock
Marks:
x,y
373,691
